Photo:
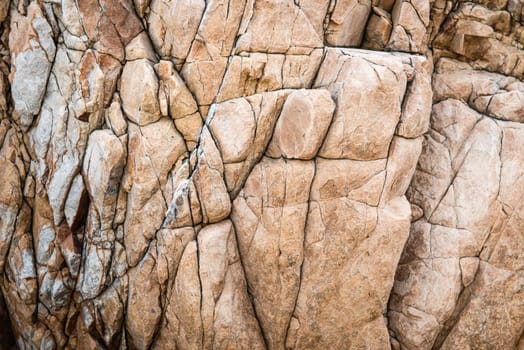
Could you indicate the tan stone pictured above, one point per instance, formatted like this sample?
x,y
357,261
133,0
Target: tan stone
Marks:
x,y
270,228
378,30
183,321
269,174
402,160
336,262
10,200
144,311
410,20
463,184
203,78
140,105
468,268
115,119
208,179
180,101
140,47
103,167
347,23
302,125
172,26
153,150
227,314
416,107
279,27
357,180
238,117
258,72
495,292
218,29
363,130
265,109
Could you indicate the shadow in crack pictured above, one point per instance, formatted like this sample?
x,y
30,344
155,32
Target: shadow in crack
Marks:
x,y
7,339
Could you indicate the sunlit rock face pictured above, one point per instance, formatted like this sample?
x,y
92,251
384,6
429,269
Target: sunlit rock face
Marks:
x,y
261,174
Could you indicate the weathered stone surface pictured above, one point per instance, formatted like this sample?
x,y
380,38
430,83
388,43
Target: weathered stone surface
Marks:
x,y
378,29
410,20
462,185
32,48
257,72
178,268
270,228
177,101
347,23
486,37
259,113
173,25
153,150
102,170
279,27
208,178
228,319
369,94
345,242
140,105
302,125
261,174
491,94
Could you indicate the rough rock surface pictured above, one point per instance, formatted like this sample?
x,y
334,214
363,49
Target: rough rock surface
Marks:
x,y
261,174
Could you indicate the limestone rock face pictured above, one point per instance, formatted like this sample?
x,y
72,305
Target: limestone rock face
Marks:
x,y
261,174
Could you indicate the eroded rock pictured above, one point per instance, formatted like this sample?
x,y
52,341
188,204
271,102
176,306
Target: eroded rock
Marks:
x,y
270,174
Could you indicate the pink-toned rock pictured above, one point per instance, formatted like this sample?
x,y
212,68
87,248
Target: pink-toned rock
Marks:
x,y
173,25
347,23
208,179
102,170
469,202
177,101
270,174
279,27
302,125
259,113
410,20
235,115
144,311
345,241
183,321
270,228
369,94
227,314
153,151
378,29
140,105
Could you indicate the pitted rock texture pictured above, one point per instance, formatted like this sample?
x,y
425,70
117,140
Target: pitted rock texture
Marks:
x,y
261,174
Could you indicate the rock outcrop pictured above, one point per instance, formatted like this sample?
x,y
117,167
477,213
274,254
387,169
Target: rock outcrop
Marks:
x,y
262,174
